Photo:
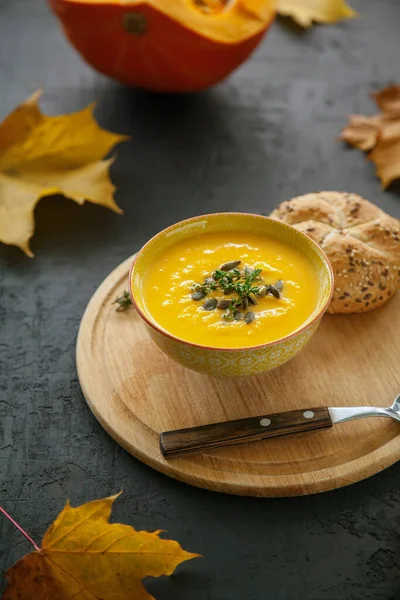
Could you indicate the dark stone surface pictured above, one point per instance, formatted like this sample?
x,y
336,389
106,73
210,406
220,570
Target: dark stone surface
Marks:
x,y
266,134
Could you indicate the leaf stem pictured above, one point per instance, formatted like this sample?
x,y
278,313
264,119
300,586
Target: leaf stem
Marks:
x,y
28,537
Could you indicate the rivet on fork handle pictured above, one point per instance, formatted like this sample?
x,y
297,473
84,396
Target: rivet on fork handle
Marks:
x,y
241,431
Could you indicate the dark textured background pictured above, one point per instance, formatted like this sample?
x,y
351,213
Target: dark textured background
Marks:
x,y
266,134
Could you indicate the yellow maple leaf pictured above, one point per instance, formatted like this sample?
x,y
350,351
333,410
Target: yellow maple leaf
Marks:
x,y
41,156
304,12
85,557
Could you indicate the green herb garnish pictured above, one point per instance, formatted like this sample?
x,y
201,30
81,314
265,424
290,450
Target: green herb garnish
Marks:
x,y
244,285
123,301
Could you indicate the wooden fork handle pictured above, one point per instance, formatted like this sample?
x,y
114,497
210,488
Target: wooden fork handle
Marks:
x,y
241,431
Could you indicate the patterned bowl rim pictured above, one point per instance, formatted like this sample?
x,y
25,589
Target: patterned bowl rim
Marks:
x,y
317,249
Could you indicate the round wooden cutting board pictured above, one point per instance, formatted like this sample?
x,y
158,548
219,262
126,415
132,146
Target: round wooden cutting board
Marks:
x,y
136,392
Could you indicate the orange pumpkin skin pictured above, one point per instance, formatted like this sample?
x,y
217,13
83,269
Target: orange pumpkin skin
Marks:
x,y
141,46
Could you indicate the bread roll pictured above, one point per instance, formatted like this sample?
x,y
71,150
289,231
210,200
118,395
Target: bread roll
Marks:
x,y
361,241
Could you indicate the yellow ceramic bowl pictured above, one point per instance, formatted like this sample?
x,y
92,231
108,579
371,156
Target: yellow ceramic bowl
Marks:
x,y
232,362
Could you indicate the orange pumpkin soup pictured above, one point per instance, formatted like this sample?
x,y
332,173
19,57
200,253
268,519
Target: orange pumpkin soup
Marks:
x,y
231,289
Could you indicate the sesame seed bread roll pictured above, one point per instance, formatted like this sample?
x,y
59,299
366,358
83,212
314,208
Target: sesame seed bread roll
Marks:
x,y
361,241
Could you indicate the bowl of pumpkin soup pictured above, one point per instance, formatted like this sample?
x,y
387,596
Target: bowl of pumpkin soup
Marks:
x,y
231,294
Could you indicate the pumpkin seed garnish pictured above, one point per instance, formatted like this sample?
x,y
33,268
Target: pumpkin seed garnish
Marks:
x,y
229,266
210,304
243,287
249,317
223,304
275,292
261,291
199,295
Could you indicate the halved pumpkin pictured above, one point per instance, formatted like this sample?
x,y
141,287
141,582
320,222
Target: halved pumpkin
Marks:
x,y
165,45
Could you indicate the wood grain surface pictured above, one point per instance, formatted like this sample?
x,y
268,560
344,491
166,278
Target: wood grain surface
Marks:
x,y
136,392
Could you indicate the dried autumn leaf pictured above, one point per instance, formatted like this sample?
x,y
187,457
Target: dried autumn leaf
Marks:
x,y
388,99
386,154
84,557
379,133
304,12
362,131
41,156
